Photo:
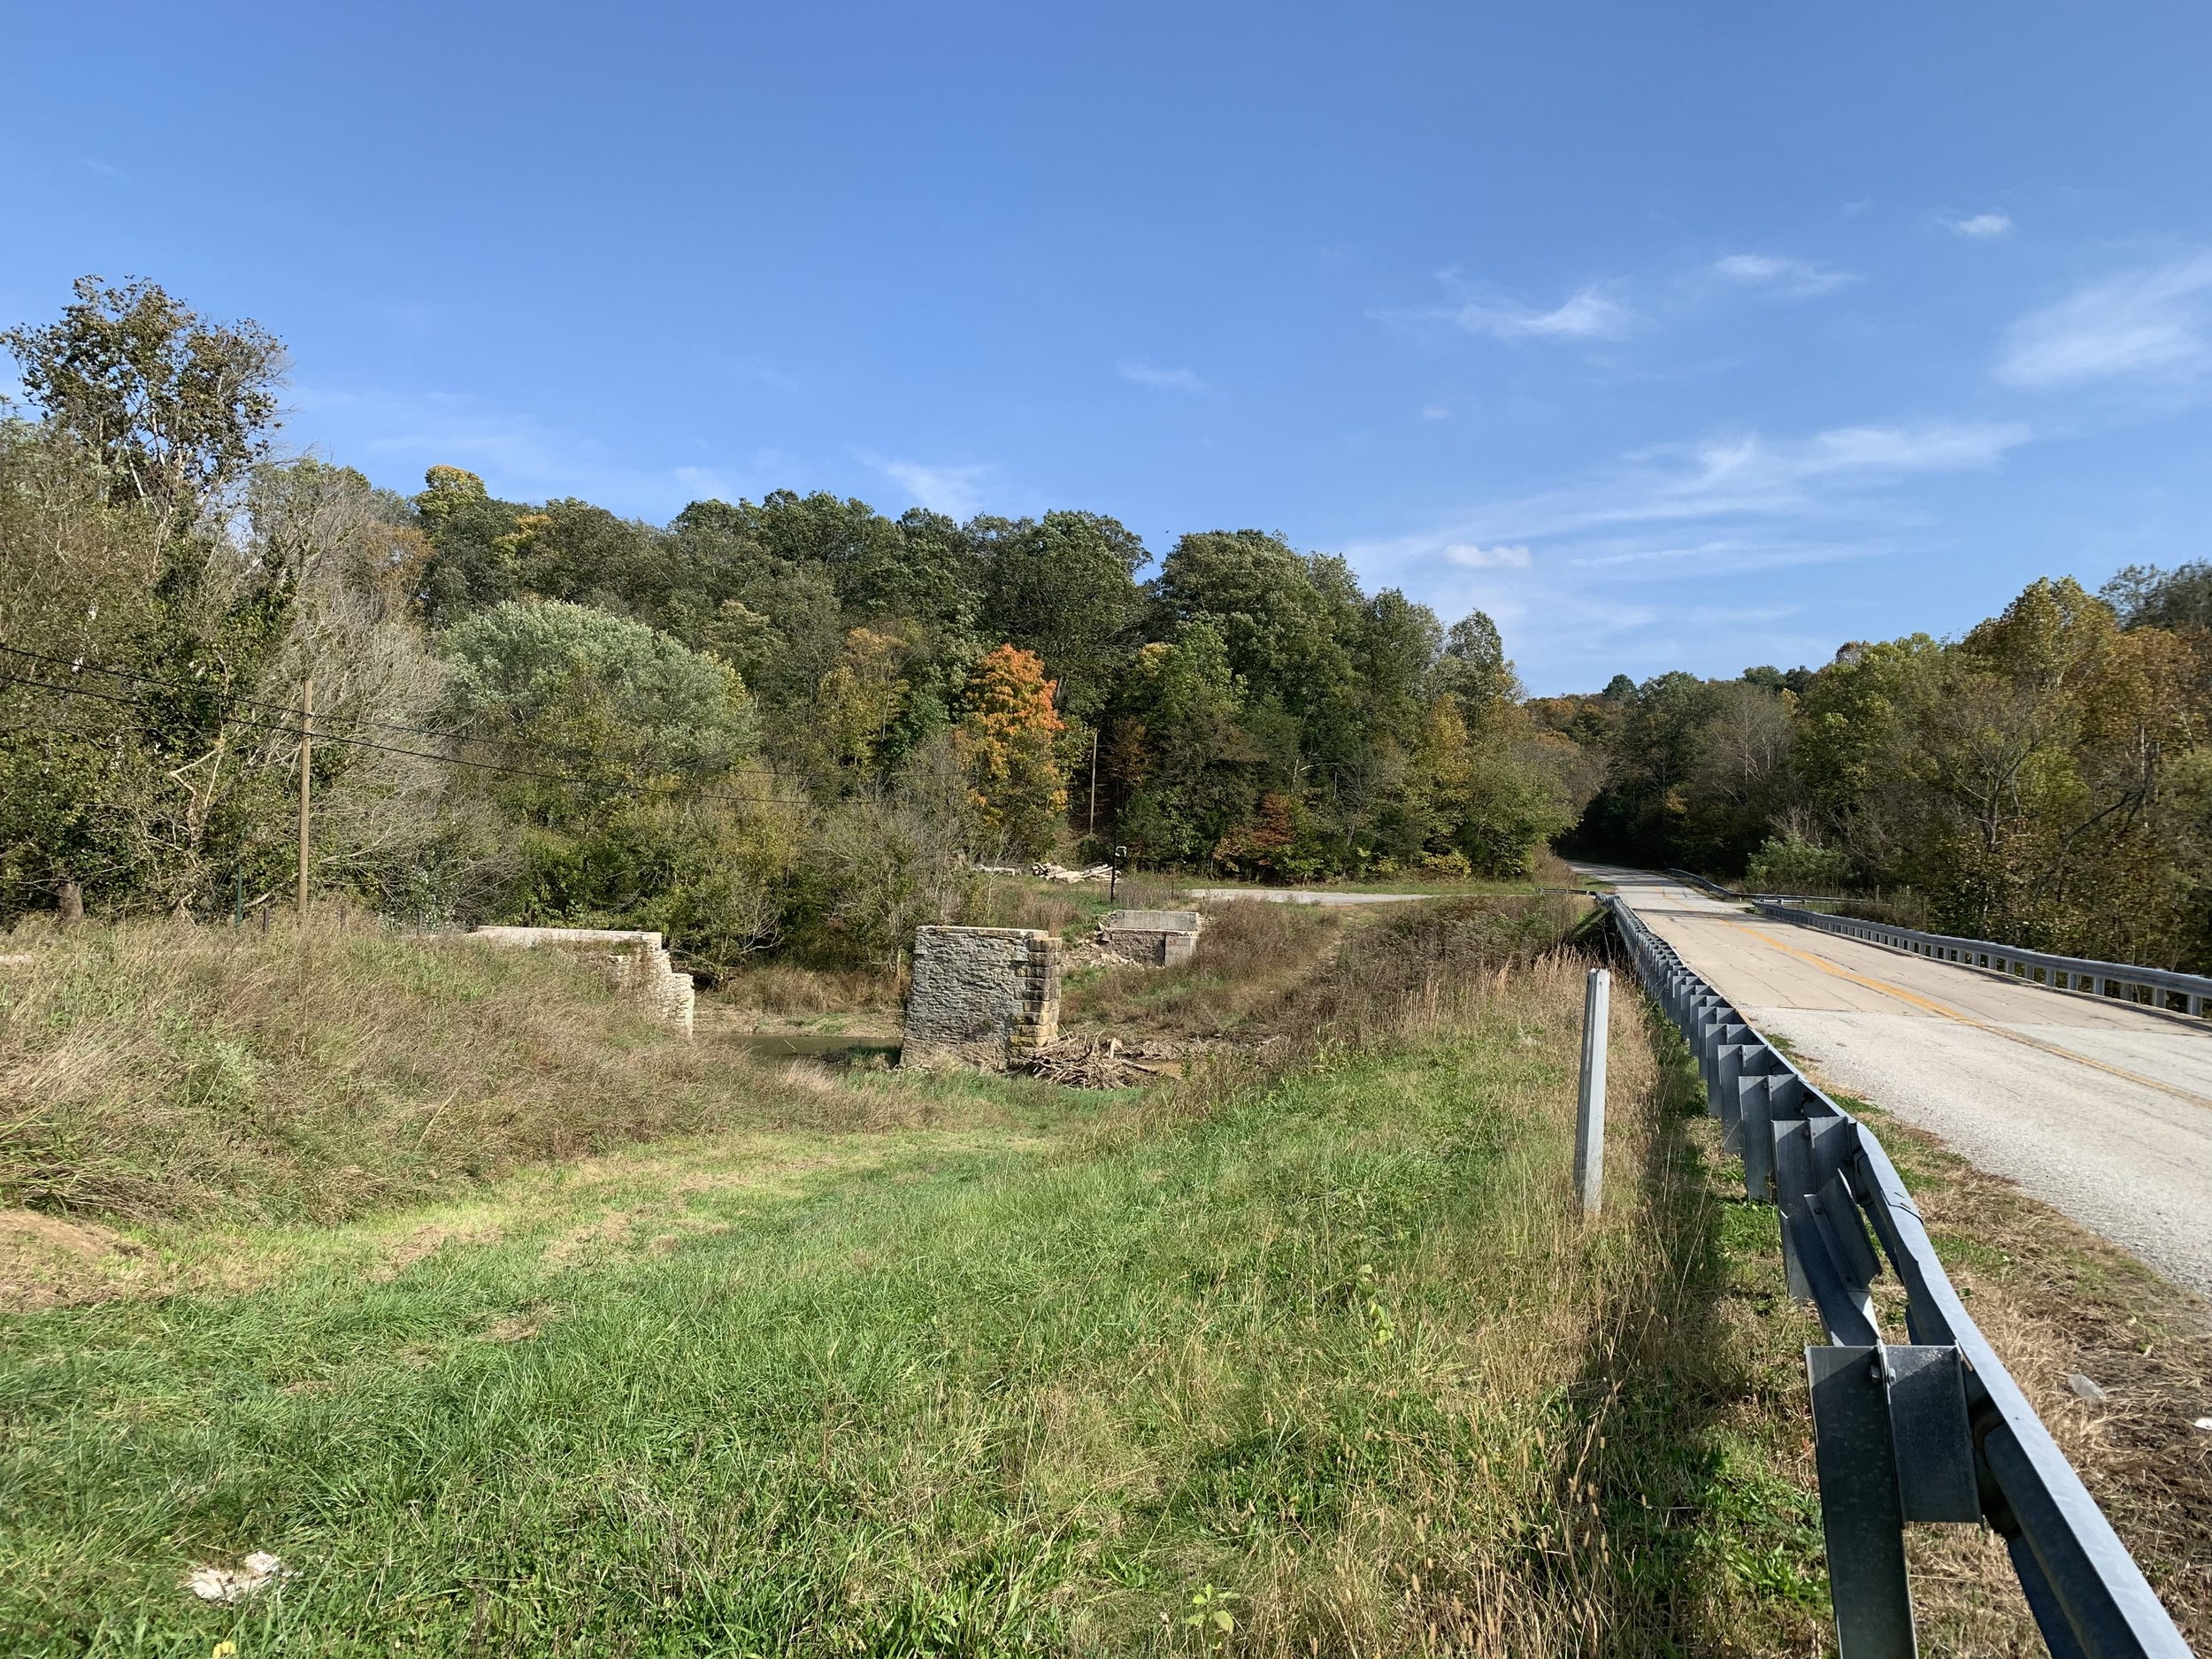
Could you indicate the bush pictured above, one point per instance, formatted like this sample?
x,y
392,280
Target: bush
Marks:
x,y
1790,864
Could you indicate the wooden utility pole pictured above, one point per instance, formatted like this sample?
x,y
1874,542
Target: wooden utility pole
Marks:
x,y
307,748
1090,825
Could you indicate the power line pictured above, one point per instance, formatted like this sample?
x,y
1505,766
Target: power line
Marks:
x,y
389,748
187,688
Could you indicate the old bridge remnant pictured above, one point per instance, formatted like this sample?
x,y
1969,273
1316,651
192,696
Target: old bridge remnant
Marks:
x,y
1157,939
981,996
636,963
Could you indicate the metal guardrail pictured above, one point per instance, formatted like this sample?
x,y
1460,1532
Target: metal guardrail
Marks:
x,y
2155,987
2158,987
1930,1429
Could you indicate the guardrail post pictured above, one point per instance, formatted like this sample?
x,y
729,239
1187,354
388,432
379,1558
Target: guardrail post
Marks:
x,y
1862,1514
1590,1107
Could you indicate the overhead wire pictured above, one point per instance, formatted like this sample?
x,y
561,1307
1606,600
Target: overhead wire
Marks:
x,y
389,749
184,687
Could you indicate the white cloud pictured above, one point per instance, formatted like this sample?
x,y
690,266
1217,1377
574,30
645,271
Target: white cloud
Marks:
x,y
1589,315
2154,323
956,491
1467,555
1592,314
1982,226
1435,411
1716,506
1794,277
1166,379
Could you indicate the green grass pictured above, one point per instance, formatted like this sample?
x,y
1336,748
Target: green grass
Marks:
x,y
1326,1357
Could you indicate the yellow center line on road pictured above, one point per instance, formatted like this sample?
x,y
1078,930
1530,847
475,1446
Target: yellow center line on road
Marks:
x,y
1946,1012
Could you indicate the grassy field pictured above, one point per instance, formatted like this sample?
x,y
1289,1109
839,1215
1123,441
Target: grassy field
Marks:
x,y
152,1071
1308,1360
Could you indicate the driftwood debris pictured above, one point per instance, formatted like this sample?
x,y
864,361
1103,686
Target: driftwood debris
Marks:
x,y
1089,1063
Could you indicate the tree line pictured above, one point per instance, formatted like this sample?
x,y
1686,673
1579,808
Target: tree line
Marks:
x,y
2045,781
793,724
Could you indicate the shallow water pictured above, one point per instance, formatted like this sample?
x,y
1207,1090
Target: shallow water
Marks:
x,y
812,1044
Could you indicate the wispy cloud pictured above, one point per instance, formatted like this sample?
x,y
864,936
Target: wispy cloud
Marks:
x,y
2155,323
519,455
1470,556
1138,374
1799,278
1981,226
1750,476
956,491
1868,451
1591,313
104,170
1722,556
1623,564
1435,411
705,483
1743,476
395,433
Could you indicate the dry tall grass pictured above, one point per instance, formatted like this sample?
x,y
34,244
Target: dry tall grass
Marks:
x,y
158,1069
1252,954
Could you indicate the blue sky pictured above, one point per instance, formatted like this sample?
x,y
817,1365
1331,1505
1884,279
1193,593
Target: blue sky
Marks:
x,y
1677,336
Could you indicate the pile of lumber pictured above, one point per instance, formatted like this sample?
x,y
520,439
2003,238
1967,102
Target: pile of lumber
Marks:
x,y
1061,872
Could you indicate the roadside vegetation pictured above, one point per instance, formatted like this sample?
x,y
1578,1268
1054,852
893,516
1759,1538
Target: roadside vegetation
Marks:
x,y
162,1071
2045,781
1300,1355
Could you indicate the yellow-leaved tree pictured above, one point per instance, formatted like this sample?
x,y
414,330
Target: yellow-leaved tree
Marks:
x,y
1006,742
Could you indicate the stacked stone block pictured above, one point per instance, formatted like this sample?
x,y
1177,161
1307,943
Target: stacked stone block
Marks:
x,y
635,963
981,996
1159,938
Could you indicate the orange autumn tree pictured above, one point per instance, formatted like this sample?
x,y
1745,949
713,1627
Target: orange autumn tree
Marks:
x,y
1006,742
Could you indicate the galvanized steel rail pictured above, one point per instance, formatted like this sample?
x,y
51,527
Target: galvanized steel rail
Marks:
x,y
1929,1429
2156,988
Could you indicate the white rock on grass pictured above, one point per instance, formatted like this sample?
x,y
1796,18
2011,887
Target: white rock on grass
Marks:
x,y
235,1584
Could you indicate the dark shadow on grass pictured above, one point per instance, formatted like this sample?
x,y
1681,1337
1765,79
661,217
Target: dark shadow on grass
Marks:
x,y
1687,1548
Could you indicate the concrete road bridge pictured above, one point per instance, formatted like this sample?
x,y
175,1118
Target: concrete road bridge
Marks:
x,y
2100,1108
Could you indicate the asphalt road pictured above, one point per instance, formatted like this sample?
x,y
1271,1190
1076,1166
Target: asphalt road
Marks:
x,y
2099,1109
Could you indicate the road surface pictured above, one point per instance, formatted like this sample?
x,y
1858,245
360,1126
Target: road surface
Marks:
x,y
2099,1109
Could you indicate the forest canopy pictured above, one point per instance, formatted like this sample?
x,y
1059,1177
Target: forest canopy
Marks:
x,y
799,723
795,722
2045,779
